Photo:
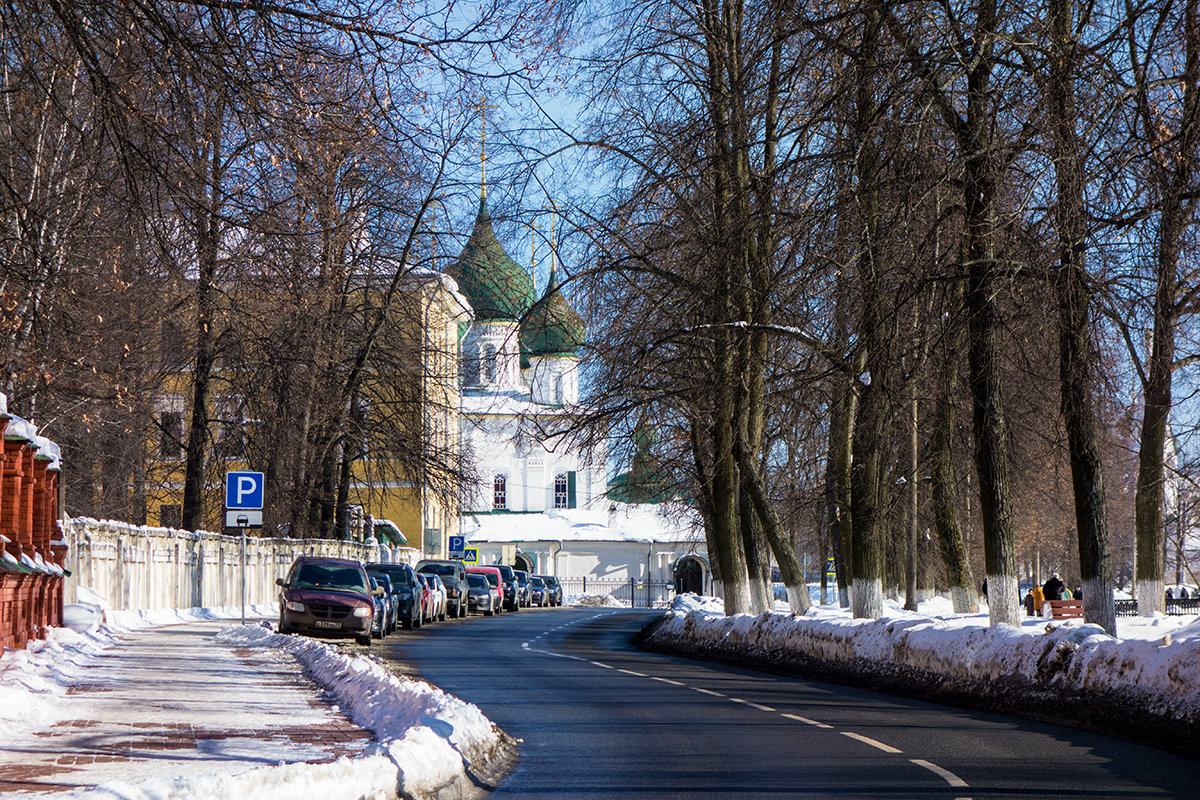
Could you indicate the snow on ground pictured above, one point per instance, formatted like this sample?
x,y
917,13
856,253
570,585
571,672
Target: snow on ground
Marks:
x,y
1157,658
594,601
425,738
425,732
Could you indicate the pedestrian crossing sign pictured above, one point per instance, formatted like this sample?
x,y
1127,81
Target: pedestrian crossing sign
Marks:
x,y
471,555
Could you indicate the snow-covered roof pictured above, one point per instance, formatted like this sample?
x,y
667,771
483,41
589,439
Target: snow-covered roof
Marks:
x,y
515,404
626,523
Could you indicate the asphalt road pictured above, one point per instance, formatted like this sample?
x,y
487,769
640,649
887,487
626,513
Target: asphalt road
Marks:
x,y
598,719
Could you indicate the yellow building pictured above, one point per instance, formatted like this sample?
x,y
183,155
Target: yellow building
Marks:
x,y
407,471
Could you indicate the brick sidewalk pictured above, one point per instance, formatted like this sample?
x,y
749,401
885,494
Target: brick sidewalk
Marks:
x,y
173,702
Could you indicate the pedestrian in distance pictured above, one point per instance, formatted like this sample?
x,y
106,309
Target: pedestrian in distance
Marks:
x,y
1029,604
1078,592
1053,588
1170,594
1183,593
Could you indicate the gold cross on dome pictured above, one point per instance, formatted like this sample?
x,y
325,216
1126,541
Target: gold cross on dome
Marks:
x,y
482,106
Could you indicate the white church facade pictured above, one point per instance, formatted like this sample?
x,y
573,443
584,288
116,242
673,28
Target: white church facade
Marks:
x,y
541,504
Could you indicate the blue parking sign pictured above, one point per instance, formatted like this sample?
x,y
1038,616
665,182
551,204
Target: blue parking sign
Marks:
x,y
457,544
244,491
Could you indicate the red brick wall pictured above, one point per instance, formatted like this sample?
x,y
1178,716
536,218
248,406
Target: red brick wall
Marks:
x,y
30,601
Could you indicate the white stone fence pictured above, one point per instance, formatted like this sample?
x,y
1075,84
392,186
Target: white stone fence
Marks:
x,y
139,568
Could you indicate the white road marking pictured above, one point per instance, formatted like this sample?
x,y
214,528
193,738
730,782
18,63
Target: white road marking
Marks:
x,y
602,666
668,680
631,672
807,721
945,774
887,748
752,705
707,691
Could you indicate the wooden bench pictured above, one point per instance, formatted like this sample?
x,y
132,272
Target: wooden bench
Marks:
x,y
1065,609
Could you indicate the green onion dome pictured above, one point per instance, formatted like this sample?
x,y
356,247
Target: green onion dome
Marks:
x,y
497,288
552,327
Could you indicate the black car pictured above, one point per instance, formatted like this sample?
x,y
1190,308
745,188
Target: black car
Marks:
x,y
407,592
512,595
523,588
328,597
454,578
480,597
554,592
537,591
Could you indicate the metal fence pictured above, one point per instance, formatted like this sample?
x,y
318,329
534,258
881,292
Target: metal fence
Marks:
x,y
631,593
1175,607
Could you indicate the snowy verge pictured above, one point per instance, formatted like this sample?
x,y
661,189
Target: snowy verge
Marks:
x,y
594,601
432,740
962,658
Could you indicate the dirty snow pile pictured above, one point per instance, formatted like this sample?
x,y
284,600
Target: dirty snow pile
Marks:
x,y
1156,660
594,601
429,737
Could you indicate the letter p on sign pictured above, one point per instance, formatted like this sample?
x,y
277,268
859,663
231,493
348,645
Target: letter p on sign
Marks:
x,y
244,491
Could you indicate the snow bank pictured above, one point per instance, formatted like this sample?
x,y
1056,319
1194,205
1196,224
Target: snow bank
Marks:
x,y
593,601
430,737
1158,665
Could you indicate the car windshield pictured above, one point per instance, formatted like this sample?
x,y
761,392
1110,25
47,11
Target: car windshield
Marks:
x,y
329,576
491,578
399,575
538,583
381,578
438,569
477,581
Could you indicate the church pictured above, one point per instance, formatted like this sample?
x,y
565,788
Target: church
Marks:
x,y
541,505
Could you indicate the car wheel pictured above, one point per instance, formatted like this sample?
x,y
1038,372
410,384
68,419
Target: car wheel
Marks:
x,y
364,639
283,628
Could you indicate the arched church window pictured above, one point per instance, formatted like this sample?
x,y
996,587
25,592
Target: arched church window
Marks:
x,y
470,369
489,363
564,490
500,491
558,390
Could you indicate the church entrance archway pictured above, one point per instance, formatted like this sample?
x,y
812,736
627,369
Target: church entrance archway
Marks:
x,y
523,562
689,575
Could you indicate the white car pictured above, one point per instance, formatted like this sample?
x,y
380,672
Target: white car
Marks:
x,y
439,590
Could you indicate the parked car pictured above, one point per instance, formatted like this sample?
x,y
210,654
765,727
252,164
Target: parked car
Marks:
x,y
379,623
522,587
481,597
494,578
329,597
391,601
428,599
408,592
439,595
454,578
537,591
511,593
554,592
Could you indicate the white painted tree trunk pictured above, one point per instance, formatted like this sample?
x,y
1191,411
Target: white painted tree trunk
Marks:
x,y
1004,601
866,601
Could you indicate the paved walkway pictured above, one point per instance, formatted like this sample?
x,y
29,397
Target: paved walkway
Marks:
x,y
173,702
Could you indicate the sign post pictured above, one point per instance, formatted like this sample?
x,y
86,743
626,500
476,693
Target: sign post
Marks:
x,y
243,509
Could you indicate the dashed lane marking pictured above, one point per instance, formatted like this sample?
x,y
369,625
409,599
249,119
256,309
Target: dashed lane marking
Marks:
x,y
887,748
752,705
807,721
945,774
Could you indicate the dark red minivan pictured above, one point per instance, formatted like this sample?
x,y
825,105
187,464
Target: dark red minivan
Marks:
x,y
327,597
